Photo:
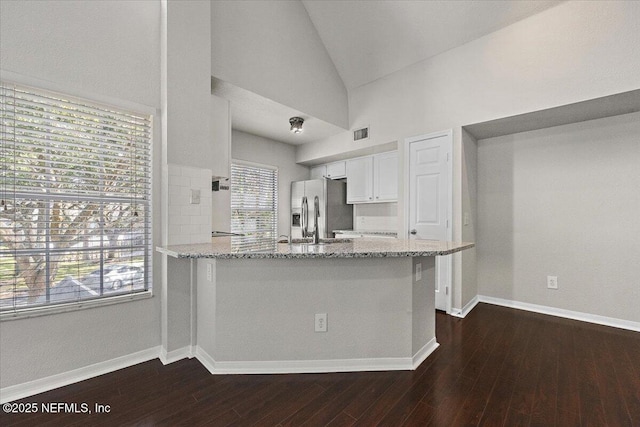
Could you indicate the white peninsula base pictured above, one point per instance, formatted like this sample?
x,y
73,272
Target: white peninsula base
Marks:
x,y
258,315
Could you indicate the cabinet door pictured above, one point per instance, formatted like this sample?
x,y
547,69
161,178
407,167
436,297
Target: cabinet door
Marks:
x,y
385,177
336,170
318,172
360,180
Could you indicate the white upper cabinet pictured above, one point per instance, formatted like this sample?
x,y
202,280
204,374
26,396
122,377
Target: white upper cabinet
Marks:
x,y
385,177
335,170
373,179
360,180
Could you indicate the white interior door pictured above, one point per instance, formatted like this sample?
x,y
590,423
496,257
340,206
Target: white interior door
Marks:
x,y
430,201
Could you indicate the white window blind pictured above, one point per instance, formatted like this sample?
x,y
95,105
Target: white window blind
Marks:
x,y
75,196
254,206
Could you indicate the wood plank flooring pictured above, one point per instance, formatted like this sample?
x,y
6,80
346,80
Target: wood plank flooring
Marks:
x,y
496,367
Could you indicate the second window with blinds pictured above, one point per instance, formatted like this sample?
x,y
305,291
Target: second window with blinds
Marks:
x,y
254,205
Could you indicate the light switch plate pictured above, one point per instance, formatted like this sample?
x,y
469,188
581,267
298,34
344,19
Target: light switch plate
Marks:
x,y
195,197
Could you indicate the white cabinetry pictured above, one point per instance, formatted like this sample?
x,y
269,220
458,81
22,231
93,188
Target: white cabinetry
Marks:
x,y
373,179
360,180
335,170
385,177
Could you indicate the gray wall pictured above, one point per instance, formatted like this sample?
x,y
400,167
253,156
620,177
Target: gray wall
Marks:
x,y
265,308
563,201
122,62
251,148
271,48
469,211
186,84
569,53
576,51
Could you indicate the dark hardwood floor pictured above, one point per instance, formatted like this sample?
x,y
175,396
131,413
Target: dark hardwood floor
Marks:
x,y
496,367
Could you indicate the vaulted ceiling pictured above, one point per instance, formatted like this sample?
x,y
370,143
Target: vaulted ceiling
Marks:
x,y
368,39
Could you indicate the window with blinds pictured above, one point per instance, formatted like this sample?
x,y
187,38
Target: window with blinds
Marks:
x,y
75,199
254,206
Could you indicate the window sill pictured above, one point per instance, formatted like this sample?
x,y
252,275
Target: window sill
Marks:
x,y
73,306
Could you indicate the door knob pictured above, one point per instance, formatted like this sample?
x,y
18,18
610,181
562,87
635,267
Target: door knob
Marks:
x,y
414,231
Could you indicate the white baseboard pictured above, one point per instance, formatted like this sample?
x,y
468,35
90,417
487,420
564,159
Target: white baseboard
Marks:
x,y
19,391
186,352
466,309
575,315
423,353
314,366
206,360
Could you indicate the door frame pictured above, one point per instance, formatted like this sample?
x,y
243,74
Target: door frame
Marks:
x,y
407,182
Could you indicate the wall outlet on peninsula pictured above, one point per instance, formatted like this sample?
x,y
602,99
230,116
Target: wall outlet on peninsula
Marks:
x,y
321,322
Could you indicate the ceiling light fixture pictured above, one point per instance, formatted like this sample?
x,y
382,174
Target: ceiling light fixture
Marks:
x,y
296,124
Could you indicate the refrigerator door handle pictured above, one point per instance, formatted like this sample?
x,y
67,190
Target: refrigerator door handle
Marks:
x,y
316,214
304,217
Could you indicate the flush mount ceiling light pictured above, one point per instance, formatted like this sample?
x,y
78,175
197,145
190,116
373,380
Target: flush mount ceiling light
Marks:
x,y
296,124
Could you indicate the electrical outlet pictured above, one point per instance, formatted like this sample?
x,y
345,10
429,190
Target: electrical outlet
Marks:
x,y
552,282
209,272
466,218
321,322
418,271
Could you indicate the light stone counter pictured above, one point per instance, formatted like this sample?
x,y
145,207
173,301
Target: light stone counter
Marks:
x,y
250,308
236,248
381,233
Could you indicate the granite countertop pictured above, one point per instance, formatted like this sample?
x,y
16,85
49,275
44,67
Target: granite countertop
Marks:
x,y
371,233
236,247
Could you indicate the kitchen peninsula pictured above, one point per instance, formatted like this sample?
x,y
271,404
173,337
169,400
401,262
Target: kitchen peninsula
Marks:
x,y
255,311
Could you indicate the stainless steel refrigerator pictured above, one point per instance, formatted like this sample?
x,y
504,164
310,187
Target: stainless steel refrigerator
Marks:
x,y
334,212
